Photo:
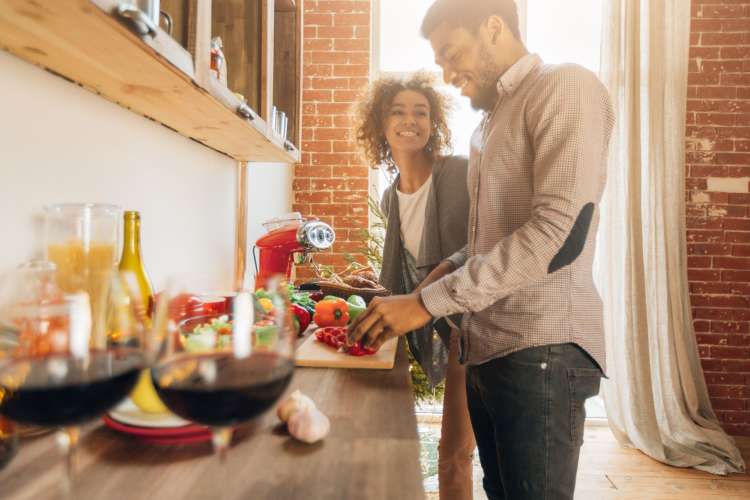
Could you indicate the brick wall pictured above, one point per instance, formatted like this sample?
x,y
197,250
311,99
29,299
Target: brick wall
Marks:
x,y
331,182
718,193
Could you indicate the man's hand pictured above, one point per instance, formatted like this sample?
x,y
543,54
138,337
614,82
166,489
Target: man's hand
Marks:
x,y
388,317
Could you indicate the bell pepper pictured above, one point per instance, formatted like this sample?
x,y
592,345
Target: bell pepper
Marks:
x,y
302,316
331,312
356,306
266,304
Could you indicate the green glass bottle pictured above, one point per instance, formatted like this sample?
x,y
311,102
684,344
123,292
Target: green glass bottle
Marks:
x,y
131,261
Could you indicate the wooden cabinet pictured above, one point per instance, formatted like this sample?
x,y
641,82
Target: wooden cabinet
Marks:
x,y
168,78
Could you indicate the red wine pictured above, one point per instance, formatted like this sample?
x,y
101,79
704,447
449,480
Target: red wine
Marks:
x,y
60,390
220,390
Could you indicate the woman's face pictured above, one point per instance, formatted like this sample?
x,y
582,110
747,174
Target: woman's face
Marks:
x,y
407,122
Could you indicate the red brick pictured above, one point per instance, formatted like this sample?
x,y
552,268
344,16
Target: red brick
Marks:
x,y
328,184
312,171
699,262
704,236
313,197
318,44
330,83
341,44
733,25
349,70
316,121
717,92
331,133
719,301
709,249
343,6
731,263
318,19
336,32
317,95
344,147
729,327
719,378
720,11
703,275
738,276
317,146
727,404
736,224
737,237
352,19
350,172
318,70
330,209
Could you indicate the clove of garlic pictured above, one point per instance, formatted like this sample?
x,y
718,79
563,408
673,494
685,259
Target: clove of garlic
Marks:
x,y
309,425
294,403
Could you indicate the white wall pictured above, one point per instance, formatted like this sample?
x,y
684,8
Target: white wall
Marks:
x,y
61,143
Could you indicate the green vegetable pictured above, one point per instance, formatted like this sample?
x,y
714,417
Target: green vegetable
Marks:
x,y
356,305
265,336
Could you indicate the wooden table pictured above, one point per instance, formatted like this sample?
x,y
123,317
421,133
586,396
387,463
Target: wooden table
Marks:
x,y
372,452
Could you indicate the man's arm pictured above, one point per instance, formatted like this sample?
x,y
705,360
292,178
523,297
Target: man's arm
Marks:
x,y
570,134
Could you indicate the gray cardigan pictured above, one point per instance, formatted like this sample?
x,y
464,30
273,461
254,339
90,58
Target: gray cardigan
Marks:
x,y
444,231
443,234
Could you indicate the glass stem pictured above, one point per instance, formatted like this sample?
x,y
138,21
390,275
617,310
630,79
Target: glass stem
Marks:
x,y
222,436
67,441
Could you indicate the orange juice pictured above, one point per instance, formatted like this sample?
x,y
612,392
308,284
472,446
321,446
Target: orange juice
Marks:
x,y
88,269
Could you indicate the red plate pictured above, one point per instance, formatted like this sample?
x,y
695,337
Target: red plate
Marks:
x,y
191,433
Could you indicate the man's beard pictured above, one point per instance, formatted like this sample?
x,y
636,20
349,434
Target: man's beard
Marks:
x,y
487,81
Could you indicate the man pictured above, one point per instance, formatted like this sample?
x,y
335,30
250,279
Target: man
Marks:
x,y
532,329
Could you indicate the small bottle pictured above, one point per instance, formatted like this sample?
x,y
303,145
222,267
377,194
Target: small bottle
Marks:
x,y
131,261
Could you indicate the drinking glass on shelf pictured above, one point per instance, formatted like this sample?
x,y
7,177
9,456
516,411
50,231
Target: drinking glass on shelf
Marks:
x,y
56,370
223,368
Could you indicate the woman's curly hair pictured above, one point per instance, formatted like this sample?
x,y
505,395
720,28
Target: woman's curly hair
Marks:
x,y
372,110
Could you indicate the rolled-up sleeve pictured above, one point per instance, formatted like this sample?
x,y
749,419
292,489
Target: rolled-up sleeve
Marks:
x,y
568,130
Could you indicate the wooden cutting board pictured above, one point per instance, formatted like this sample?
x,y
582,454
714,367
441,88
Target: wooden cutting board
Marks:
x,y
318,355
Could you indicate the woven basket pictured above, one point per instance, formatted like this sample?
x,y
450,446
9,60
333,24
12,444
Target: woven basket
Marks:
x,y
344,291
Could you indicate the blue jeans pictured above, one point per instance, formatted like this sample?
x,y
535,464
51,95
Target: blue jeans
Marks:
x,y
527,411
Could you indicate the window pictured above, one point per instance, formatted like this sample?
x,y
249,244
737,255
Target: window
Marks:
x,y
557,31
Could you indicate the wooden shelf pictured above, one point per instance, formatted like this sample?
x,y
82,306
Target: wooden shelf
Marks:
x,y
81,41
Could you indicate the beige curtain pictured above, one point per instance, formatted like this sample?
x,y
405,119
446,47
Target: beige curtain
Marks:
x,y
656,396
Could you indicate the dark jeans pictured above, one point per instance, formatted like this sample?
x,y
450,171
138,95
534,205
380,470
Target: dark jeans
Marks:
x,y
527,410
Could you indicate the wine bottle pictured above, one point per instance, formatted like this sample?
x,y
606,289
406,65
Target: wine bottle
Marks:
x,y
143,395
131,260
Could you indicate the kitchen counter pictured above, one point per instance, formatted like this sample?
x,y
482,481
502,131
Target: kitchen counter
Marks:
x,y
372,452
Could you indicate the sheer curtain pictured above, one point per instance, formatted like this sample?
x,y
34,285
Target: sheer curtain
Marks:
x,y
656,396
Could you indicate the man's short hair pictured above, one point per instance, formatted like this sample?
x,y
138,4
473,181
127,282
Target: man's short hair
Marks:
x,y
470,14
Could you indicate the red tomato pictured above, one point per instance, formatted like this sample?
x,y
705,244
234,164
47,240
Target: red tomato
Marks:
x,y
335,336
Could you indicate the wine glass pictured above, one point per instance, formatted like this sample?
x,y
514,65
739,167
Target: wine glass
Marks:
x,y
224,367
56,368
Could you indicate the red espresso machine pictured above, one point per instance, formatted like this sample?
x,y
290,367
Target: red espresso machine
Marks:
x,y
290,240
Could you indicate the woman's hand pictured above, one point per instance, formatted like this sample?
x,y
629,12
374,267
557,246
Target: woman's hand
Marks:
x,y
388,317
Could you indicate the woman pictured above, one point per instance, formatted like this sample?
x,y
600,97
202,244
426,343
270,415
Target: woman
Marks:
x,y
402,124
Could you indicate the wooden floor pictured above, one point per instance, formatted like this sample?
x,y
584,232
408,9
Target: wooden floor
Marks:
x,y
608,471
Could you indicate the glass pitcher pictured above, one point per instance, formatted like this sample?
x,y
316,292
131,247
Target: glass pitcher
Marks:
x,y
82,240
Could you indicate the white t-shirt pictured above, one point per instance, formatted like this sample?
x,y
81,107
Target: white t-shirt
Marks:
x,y
411,211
